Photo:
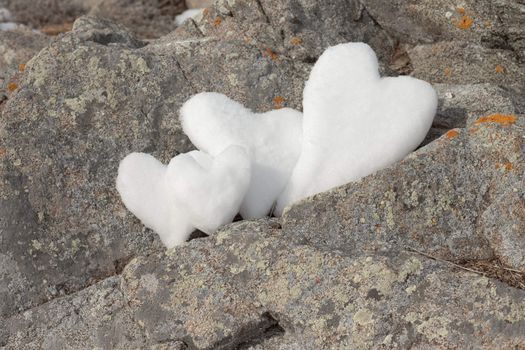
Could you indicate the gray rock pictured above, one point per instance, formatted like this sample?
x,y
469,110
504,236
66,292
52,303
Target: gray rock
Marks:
x,y
458,62
432,201
97,317
462,105
198,4
495,24
248,287
95,95
149,19
16,48
77,270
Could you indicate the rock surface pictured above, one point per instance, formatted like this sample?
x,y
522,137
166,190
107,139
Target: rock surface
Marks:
x,y
149,19
351,268
248,288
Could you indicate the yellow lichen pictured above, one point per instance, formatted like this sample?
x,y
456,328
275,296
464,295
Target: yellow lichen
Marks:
x,y
497,118
448,72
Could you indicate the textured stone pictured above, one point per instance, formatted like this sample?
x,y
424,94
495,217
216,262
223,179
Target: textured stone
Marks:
x,y
466,63
496,24
249,287
78,271
16,48
97,317
432,201
149,19
462,105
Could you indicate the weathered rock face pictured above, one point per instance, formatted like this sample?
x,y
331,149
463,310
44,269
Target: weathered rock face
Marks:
x,y
149,19
248,288
433,201
495,24
16,48
79,271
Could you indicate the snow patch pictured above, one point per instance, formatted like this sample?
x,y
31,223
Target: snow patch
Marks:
x,y
180,19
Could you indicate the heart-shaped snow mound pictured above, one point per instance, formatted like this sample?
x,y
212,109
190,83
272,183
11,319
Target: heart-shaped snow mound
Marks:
x,y
194,191
355,122
214,122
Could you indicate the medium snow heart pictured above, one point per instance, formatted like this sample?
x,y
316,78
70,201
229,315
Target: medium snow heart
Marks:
x,y
213,122
355,122
194,191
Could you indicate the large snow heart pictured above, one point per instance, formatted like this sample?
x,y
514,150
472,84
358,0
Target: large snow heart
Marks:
x,y
193,191
273,140
355,122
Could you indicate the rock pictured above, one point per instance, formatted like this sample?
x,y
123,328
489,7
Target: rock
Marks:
x,y
95,95
350,268
466,63
300,30
248,287
462,105
97,317
495,24
82,105
198,4
149,19
17,47
432,201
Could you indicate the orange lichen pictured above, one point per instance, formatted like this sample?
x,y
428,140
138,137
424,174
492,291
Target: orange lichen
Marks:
x,y
55,29
497,118
508,166
22,67
460,10
3,152
296,41
452,134
278,102
217,22
12,87
499,69
448,72
270,53
465,22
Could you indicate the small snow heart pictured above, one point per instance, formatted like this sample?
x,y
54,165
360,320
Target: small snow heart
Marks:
x,y
213,122
194,191
355,122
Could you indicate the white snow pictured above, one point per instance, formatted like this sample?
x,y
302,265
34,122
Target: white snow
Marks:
x,y
355,122
214,122
194,191
5,15
185,15
9,26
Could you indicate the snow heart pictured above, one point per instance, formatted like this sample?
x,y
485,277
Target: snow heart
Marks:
x,y
194,191
355,122
273,140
